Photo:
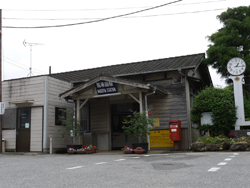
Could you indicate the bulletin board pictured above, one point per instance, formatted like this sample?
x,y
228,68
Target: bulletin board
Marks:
x,y
160,138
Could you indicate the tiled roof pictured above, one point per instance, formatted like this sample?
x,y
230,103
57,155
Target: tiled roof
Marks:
x,y
142,67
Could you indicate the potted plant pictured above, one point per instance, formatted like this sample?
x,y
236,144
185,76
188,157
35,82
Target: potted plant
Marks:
x,y
81,151
127,149
139,125
72,128
139,150
71,150
89,148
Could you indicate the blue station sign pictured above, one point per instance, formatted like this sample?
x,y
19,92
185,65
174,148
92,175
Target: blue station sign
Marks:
x,y
105,87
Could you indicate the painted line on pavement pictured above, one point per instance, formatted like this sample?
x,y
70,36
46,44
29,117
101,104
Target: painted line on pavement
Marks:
x,y
228,159
236,153
146,155
223,163
120,159
214,169
74,167
101,163
135,157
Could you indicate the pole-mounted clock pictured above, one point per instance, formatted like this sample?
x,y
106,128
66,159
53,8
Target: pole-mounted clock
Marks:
x,y
236,66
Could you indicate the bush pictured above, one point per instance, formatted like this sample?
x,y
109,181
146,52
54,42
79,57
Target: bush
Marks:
x,y
221,103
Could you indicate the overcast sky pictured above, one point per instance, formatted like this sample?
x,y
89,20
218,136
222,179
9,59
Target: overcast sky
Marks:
x,y
171,30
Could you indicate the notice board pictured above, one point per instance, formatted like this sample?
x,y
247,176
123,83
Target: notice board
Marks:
x,y
160,138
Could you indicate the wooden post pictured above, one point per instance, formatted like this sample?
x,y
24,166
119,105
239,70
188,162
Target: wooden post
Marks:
x,y
1,77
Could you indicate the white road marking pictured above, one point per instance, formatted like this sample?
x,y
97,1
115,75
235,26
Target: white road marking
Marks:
x,y
120,159
135,157
228,159
214,169
101,163
223,163
159,154
74,167
236,153
146,155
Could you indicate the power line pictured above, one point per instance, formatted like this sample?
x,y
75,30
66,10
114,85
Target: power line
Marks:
x,y
199,11
108,9
19,65
99,20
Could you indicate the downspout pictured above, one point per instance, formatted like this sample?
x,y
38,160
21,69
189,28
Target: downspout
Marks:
x,y
186,88
146,109
45,112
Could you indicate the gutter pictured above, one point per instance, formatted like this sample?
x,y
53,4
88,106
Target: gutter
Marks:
x,y
146,104
45,112
187,105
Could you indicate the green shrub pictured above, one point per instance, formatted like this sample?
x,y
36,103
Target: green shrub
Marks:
x,y
221,103
208,140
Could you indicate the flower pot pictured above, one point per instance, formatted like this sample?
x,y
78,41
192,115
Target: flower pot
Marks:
x,y
139,151
89,151
81,152
71,152
127,152
143,145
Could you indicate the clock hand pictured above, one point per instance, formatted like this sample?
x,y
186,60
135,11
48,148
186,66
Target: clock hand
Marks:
x,y
237,65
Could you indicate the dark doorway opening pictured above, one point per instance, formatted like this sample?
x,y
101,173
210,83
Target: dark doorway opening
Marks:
x,y
119,113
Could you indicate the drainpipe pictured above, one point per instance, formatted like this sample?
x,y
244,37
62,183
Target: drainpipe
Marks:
x,y
45,112
186,88
146,107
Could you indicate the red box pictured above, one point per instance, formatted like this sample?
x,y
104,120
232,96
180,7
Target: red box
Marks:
x,y
175,130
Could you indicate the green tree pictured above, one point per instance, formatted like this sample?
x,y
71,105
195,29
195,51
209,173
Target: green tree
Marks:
x,y
232,40
221,103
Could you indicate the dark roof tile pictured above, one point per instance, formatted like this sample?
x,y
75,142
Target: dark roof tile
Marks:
x,y
142,67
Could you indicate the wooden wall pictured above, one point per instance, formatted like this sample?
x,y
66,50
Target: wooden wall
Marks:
x,y
55,88
36,136
10,137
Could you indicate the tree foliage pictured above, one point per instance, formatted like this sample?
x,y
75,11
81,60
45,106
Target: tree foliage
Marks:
x,y
232,40
221,103
138,125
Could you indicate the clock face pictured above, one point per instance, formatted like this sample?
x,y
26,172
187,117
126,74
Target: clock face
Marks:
x,y
236,66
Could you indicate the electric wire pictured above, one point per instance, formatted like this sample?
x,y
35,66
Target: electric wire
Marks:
x,y
108,9
19,65
99,20
170,14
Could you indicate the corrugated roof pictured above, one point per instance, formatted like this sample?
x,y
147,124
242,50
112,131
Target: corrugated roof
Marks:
x,y
142,67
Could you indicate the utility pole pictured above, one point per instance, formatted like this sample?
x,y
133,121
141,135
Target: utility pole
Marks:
x,y
1,77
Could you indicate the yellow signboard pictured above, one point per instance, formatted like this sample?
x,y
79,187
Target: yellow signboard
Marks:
x,y
160,138
156,122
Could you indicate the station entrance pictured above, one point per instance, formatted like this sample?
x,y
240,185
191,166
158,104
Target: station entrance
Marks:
x,y
119,113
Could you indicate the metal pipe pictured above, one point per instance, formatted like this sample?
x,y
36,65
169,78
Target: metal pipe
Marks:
x,y
187,104
45,112
146,109
51,143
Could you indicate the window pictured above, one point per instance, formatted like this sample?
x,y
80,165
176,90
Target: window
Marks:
x,y
60,113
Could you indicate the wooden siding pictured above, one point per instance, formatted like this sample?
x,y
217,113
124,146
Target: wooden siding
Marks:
x,y
55,88
98,115
169,107
10,137
23,89
36,131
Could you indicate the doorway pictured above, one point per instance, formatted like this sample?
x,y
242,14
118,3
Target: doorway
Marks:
x,y
119,113
23,130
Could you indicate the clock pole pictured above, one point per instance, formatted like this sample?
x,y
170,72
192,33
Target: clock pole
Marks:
x,y
236,67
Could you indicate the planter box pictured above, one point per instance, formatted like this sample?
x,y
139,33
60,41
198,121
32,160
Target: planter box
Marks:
x,y
143,145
